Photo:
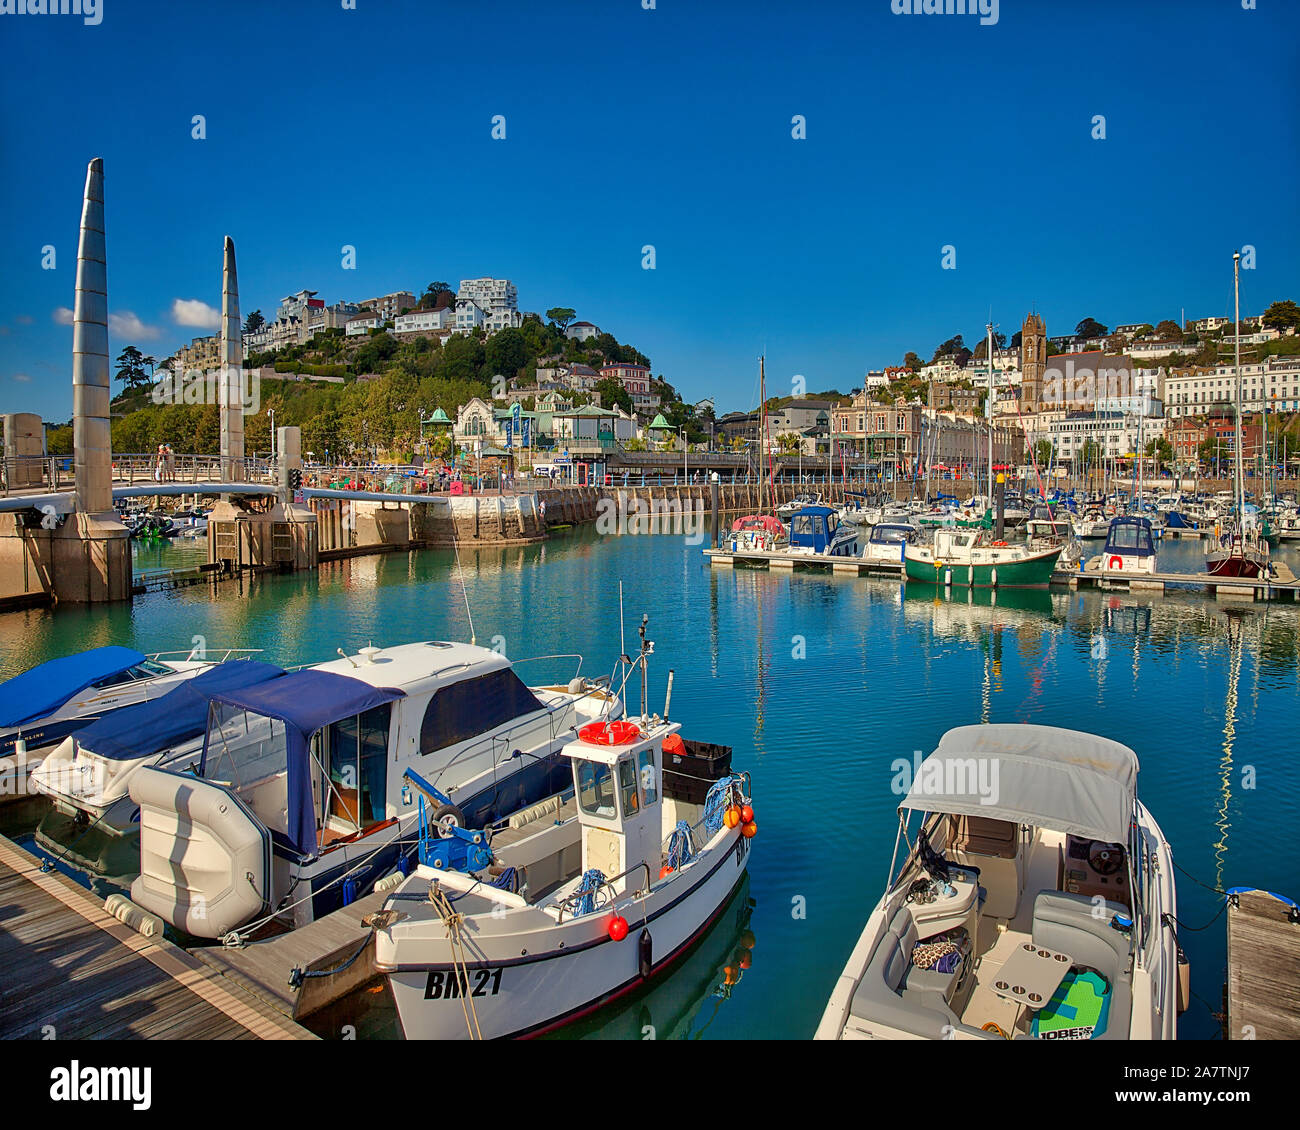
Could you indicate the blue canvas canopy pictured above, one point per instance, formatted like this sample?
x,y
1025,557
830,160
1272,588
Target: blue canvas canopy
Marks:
x,y
305,701
43,689
1130,536
181,714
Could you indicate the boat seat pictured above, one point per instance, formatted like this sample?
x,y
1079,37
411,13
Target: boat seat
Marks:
x,y
994,846
894,993
1068,924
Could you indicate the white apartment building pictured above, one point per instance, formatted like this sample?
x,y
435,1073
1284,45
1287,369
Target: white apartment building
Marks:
x,y
875,378
388,306
425,321
491,303
361,324
1275,382
1115,433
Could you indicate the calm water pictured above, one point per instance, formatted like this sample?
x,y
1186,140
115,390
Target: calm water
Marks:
x,y
819,683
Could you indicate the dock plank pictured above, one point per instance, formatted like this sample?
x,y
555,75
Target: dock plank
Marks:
x,y
75,972
1263,969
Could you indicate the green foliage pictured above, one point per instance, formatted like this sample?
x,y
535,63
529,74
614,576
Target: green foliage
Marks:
x,y
613,393
254,322
130,369
1283,316
561,315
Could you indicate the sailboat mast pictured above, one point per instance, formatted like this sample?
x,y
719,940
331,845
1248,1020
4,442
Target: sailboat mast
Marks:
x,y
1236,362
988,413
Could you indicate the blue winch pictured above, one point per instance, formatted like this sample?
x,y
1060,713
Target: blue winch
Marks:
x,y
443,843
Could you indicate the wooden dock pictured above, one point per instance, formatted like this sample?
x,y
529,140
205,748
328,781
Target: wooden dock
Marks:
x,y
1263,989
73,971
263,968
774,559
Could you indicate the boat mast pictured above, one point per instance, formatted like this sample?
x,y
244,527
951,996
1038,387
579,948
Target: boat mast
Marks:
x,y
1236,361
988,408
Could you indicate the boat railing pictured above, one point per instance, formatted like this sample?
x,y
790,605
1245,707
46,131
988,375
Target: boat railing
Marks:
x,y
606,884
557,655
202,653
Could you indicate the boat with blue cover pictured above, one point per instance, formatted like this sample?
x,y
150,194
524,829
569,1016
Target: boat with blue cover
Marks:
x,y
300,782
89,773
817,531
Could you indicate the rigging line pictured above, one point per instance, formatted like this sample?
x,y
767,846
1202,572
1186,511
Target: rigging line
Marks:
x,y
1194,929
1194,879
460,573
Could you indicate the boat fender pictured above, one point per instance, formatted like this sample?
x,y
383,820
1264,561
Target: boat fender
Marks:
x,y
139,919
645,952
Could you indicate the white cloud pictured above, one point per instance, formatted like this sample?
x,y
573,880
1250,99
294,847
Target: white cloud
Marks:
x,y
126,324
22,377
63,315
192,312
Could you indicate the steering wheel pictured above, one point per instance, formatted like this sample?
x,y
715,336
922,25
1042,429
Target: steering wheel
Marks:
x,y
1106,859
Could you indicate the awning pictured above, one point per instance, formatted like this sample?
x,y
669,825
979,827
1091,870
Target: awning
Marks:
x,y
305,702
179,715
1064,780
43,689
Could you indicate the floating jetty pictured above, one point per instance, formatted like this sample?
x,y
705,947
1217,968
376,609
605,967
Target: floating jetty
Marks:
x,y
1262,993
74,971
1284,586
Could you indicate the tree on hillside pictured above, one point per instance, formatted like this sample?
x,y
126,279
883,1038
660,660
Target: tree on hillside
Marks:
x,y
1089,328
130,369
506,352
949,348
254,322
1015,339
912,361
561,315
437,296
613,393
1282,316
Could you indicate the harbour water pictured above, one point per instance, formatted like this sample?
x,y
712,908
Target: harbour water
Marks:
x,y
820,683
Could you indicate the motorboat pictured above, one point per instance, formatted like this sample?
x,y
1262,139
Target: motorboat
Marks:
x,y
757,531
575,902
816,531
886,543
1091,524
300,781
1035,900
44,705
88,774
1130,548
788,509
967,557
1045,521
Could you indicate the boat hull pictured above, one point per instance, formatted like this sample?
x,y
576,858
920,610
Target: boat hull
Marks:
x,y
1027,572
567,972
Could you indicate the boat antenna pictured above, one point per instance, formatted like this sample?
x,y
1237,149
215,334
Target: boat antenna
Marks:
x,y
460,573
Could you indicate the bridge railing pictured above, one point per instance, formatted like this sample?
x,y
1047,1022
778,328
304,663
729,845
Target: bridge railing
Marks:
x,y
36,474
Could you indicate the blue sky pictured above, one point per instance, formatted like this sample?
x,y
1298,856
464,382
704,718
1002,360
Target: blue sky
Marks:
x,y
670,127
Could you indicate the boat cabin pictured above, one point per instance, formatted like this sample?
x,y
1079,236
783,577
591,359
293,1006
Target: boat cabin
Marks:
x,y
617,778
888,541
1130,546
813,530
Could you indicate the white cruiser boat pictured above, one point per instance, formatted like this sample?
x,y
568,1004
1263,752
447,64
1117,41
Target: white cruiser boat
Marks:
x,y
89,773
887,541
1034,900
300,781
1130,548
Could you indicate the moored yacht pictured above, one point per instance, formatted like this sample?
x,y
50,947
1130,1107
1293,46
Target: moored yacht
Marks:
x,y
300,780
966,557
816,531
1130,548
1035,900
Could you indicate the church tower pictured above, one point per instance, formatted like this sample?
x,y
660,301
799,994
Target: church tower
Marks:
x,y
1033,362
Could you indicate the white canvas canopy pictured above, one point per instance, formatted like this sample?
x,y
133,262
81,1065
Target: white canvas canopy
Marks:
x,y
1065,780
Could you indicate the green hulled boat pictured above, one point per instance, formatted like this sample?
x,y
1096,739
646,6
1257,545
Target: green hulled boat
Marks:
x,y
967,559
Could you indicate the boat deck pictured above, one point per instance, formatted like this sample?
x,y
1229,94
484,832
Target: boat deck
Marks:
x,y
1263,987
73,971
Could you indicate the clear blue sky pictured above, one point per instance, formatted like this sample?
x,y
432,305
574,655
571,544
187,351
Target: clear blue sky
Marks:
x,y
669,127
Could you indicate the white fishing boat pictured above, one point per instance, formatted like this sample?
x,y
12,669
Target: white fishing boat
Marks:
x,y
1035,900
788,509
887,541
300,781
575,903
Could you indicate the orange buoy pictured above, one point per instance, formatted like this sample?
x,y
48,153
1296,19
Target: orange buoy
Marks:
x,y
664,871
673,744
731,818
748,940
618,928
729,974
746,960
609,733
749,831
747,815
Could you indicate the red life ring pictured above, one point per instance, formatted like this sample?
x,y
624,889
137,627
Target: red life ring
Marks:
x,y
609,733
998,543
1115,562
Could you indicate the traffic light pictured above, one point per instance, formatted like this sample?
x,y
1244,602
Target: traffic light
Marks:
x,y
295,479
